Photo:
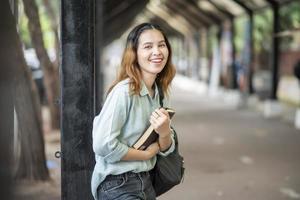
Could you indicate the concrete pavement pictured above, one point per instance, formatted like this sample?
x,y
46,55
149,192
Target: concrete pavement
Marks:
x,y
229,154
233,154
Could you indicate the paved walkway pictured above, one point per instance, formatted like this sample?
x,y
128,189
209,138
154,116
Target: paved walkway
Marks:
x,y
229,154
233,154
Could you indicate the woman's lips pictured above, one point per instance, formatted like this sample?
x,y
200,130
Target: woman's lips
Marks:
x,y
156,60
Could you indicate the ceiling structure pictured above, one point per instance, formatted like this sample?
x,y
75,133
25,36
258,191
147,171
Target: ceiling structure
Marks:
x,y
177,17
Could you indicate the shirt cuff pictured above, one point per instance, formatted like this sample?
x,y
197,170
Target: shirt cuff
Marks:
x,y
117,154
170,149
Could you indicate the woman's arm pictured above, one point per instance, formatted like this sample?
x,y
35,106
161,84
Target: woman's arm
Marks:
x,y
134,154
108,124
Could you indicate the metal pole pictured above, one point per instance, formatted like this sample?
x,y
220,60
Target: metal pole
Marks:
x,y
250,64
233,67
275,51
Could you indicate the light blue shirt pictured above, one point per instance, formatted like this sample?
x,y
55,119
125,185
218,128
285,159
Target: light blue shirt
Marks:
x,y
123,118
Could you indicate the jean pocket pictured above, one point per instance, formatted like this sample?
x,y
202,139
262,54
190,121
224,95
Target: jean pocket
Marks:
x,y
113,183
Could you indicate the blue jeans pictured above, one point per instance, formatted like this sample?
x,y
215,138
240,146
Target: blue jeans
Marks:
x,y
127,186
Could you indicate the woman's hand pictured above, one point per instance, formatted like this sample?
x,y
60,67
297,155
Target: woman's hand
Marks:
x,y
160,121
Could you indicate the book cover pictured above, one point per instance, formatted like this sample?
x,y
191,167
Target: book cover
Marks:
x,y
149,136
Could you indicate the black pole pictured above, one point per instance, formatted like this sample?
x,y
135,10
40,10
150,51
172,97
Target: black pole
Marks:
x,y
250,64
77,97
275,50
198,54
233,56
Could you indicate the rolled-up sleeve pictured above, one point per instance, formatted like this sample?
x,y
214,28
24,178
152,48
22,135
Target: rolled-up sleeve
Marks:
x,y
108,124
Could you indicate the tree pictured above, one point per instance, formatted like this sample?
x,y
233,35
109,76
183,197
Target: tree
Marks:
x,y
51,80
31,160
7,26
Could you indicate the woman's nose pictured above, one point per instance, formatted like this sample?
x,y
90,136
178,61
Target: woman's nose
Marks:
x,y
156,51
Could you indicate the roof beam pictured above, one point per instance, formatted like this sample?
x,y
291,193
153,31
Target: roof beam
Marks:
x,y
272,2
124,8
227,13
177,22
116,25
280,3
175,7
192,10
161,22
195,8
244,6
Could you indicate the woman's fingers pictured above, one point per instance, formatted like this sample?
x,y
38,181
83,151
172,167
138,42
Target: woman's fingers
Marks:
x,y
155,114
161,112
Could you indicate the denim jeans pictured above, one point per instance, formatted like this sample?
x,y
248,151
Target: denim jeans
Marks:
x,y
127,186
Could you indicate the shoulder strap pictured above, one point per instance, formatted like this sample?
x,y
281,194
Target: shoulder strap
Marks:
x,y
161,95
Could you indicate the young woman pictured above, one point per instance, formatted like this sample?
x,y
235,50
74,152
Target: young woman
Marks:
x,y
122,172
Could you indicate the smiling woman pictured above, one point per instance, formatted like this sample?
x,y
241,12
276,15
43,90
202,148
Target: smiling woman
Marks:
x,y
152,53
131,106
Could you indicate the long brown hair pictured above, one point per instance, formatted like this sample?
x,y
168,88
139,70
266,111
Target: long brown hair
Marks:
x,y
131,69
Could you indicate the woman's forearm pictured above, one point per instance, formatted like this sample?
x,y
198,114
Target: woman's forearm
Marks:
x,y
133,154
165,142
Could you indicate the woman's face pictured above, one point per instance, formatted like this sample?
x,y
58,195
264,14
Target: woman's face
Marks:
x,y
152,52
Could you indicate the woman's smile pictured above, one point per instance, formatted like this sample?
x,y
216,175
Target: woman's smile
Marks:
x,y
156,60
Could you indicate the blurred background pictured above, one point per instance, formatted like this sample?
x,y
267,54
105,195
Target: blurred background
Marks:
x,y
236,92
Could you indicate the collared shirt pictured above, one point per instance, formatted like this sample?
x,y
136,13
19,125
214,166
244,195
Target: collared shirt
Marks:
x,y
122,120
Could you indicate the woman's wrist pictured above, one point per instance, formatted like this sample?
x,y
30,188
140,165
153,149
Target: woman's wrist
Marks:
x,y
165,135
165,142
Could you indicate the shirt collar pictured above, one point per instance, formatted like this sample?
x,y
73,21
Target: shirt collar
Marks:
x,y
144,91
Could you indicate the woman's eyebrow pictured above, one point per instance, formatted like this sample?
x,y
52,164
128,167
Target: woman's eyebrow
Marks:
x,y
162,41
145,43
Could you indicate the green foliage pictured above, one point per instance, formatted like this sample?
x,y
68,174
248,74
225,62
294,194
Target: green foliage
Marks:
x,y
48,34
46,28
289,20
23,30
262,30
212,40
239,29
290,16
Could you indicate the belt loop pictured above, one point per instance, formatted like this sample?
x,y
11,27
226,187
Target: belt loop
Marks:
x,y
126,176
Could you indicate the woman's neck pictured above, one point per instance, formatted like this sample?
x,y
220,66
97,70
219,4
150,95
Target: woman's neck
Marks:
x,y
149,81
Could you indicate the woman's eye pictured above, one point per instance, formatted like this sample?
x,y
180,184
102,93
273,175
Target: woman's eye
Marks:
x,y
162,45
147,47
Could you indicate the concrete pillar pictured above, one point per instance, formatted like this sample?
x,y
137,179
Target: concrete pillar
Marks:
x,y
77,97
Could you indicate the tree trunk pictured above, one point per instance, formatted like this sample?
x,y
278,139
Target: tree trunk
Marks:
x,y
7,25
50,74
32,161
32,155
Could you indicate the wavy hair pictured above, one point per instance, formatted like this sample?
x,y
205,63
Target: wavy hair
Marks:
x,y
131,69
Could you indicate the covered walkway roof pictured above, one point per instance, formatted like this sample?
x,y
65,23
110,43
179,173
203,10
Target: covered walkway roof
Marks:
x,y
177,16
